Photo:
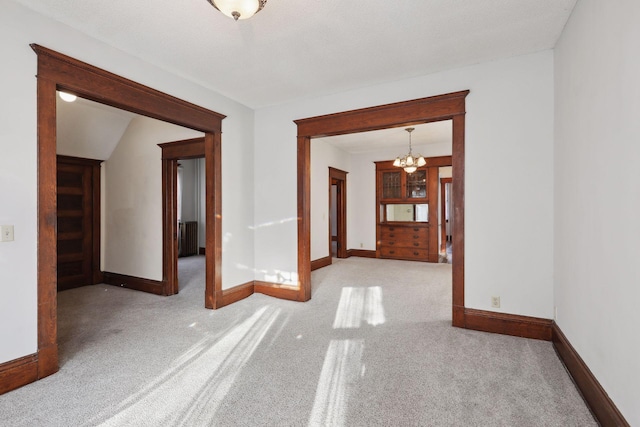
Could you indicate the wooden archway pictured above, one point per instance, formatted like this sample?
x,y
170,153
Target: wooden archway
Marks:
x,y
436,108
60,72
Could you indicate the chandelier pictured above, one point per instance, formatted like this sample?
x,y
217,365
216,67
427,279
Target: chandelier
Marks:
x,y
410,163
238,9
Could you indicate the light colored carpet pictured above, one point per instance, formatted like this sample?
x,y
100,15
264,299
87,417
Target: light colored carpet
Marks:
x,y
367,350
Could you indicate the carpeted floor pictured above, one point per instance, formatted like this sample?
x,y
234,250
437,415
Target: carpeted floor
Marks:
x,y
367,350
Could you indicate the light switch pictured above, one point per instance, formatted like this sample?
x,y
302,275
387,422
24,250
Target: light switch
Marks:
x,y
6,233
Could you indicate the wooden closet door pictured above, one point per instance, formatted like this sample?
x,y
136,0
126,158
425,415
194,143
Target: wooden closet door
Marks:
x,y
75,225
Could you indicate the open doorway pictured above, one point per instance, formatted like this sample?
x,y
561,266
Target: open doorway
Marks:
x,y
408,113
337,213
60,72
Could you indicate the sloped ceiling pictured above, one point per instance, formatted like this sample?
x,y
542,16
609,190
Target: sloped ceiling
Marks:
x,y
294,48
88,129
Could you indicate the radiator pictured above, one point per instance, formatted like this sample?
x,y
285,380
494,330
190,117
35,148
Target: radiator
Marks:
x,y
188,238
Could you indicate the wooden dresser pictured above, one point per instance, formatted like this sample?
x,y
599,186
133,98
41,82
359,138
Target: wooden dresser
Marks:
x,y
404,241
407,211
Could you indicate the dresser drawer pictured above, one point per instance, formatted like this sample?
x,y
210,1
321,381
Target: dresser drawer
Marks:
x,y
404,253
419,242
403,232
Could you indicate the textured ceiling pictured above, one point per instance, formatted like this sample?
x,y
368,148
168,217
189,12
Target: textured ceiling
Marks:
x,y
294,49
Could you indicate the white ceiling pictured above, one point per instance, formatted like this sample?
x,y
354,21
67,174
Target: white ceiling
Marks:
x,y
89,129
429,133
294,49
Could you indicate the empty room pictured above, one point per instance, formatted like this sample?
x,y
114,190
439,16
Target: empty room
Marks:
x,y
394,213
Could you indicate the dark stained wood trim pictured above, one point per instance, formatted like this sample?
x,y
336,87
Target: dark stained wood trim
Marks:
x,y
443,213
436,108
235,294
406,113
202,251
320,262
169,225
185,149
457,248
278,291
304,218
47,225
57,71
340,177
136,283
16,373
213,213
601,405
508,324
96,84
78,160
363,253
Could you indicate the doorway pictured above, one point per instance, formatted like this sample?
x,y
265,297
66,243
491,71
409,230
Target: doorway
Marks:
x,y
425,110
337,213
172,153
446,219
60,72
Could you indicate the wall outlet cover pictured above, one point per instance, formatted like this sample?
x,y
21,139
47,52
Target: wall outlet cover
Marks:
x,y
495,302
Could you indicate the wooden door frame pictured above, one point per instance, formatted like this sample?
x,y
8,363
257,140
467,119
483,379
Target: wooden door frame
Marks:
x,y
61,72
341,210
171,153
443,225
408,113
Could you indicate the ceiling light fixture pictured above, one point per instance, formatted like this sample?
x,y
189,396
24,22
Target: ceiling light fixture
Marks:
x,y
238,9
410,163
67,96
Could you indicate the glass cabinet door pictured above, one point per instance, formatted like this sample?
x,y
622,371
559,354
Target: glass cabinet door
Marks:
x,y
417,185
391,185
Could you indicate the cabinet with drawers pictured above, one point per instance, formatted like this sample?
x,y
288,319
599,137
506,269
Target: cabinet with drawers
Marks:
x,y
404,241
405,214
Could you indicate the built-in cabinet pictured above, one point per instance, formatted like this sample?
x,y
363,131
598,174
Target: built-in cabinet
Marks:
x,y
406,205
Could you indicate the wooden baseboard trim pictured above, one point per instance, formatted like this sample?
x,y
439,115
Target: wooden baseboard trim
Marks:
x,y
362,253
17,373
235,294
508,324
201,251
136,283
277,291
320,262
602,407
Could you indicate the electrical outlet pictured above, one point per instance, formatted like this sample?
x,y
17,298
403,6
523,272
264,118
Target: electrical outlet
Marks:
x,y
555,313
6,233
361,245
495,302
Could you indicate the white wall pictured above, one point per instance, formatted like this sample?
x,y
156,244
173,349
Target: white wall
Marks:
x,y
323,156
509,177
133,199
597,202
18,27
190,190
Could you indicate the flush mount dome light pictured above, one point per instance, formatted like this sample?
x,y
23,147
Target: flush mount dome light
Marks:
x,y
67,96
238,9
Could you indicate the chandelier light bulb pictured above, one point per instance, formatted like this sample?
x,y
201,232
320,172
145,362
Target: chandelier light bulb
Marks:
x,y
410,163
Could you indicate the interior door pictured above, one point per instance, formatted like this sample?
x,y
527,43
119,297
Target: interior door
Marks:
x,y
75,209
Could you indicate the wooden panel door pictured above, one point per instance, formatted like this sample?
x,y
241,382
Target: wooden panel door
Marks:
x,y
75,209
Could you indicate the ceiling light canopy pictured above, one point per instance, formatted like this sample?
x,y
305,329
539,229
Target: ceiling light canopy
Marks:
x,y
238,9
410,163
